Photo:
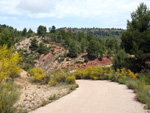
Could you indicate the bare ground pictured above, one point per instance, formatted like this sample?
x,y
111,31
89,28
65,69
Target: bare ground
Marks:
x,y
34,96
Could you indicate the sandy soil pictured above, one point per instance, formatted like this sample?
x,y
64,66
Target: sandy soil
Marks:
x,y
34,96
96,97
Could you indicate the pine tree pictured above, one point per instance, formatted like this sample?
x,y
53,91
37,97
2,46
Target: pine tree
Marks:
x,y
73,52
93,49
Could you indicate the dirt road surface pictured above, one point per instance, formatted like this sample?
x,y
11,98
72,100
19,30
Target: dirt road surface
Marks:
x,y
96,97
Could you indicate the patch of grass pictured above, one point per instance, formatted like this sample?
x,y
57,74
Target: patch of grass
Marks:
x,y
53,97
8,96
44,102
73,87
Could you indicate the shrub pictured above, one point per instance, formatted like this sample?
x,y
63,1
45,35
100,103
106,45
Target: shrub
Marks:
x,y
52,83
8,97
67,59
53,97
132,84
61,76
52,50
132,75
43,49
60,60
73,87
70,80
10,63
57,76
37,75
119,61
34,44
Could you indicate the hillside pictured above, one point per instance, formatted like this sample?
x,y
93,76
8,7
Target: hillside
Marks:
x,y
56,58
98,32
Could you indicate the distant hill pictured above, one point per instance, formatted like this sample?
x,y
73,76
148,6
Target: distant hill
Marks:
x,y
98,32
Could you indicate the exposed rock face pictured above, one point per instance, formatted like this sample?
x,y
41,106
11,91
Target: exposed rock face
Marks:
x,y
48,62
24,44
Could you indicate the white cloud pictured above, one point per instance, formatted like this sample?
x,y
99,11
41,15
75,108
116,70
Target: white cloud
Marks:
x,y
8,6
37,6
7,18
65,8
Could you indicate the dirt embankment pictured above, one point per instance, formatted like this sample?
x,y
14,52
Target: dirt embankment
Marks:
x,y
36,95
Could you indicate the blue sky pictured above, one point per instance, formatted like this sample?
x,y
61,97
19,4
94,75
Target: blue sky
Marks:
x,y
67,13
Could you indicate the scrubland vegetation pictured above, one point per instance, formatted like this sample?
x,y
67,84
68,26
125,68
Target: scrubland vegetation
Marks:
x,y
10,67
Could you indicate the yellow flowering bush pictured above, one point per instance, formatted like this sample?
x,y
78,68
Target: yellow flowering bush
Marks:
x,y
70,80
52,82
38,75
78,73
9,63
132,75
124,72
100,73
61,76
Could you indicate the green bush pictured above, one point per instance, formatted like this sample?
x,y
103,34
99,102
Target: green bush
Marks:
x,y
133,84
119,61
70,80
60,60
8,97
53,97
52,83
67,59
73,87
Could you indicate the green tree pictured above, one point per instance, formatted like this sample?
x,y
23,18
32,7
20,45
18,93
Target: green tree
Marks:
x,y
83,45
34,44
24,32
29,32
53,29
81,36
137,37
109,53
119,61
73,52
93,49
43,49
101,51
6,38
41,30
90,37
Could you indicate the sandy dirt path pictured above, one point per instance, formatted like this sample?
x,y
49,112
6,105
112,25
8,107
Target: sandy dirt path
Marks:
x,y
96,97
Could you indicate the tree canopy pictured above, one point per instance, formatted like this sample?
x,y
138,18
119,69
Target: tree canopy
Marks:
x,y
41,30
93,49
137,37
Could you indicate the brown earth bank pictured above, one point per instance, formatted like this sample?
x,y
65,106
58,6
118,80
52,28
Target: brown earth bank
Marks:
x,y
50,62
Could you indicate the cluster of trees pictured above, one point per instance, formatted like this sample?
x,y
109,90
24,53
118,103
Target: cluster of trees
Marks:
x,y
27,33
41,48
135,41
10,36
42,30
80,42
98,32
